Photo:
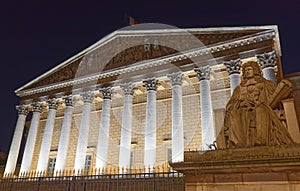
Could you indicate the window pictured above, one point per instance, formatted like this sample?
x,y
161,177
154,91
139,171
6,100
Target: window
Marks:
x,y
131,159
51,165
169,154
88,163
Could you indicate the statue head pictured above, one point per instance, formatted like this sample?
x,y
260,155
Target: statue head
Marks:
x,y
256,71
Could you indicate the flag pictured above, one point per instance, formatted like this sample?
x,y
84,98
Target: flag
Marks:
x,y
130,20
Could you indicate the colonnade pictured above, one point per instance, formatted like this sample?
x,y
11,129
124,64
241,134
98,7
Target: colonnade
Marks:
x,y
207,121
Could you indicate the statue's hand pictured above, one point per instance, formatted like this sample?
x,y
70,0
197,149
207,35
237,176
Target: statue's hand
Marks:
x,y
247,104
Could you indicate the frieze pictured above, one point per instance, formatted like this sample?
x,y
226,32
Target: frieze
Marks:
x,y
221,83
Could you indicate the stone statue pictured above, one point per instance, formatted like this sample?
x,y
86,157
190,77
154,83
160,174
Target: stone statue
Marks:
x,y
250,118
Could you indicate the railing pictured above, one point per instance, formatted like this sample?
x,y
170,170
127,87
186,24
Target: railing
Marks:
x,y
165,167
159,181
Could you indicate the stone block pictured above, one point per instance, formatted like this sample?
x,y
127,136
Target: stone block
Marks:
x,y
274,186
228,178
218,187
247,187
265,177
294,176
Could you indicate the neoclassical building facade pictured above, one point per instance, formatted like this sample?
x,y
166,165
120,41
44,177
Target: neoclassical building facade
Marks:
x,y
138,98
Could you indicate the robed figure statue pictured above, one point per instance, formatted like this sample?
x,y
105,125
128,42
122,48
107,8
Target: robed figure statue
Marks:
x,y
250,118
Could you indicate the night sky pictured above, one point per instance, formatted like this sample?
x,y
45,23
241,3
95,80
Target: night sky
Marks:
x,y
36,36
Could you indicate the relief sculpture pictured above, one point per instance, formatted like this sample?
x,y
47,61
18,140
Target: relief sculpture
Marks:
x,y
251,117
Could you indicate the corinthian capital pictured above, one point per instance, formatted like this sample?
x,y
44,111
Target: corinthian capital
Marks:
x,y
128,88
233,66
176,78
88,96
68,100
106,92
203,72
22,109
52,103
151,84
37,107
267,59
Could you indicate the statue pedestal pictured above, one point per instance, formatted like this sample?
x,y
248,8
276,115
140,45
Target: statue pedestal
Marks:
x,y
258,168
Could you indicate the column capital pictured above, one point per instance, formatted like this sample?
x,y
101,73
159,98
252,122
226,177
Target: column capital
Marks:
x,y
151,84
106,92
22,109
37,107
88,96
267,59
233,66
203,72
128,88
52,103
176,78
68,100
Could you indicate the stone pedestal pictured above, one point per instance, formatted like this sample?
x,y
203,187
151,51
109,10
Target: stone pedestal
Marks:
x,y
257,168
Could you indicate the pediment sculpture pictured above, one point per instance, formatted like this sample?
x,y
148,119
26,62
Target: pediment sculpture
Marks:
x,y
252,116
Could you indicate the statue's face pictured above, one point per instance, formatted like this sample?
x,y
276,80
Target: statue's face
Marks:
x,y
249,72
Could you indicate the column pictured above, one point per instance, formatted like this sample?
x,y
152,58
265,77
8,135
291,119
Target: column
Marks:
x,y
64,135
233,68
207,124
177,119
125,142
150,129
16,141
83,135
267,62
31,138
47,137
103,137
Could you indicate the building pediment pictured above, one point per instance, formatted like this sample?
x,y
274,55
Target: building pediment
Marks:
x,y
126,51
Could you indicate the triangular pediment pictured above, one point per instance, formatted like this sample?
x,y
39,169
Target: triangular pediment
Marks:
x,y
125,48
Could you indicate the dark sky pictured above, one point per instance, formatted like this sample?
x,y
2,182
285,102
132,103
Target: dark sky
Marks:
x,y
38,35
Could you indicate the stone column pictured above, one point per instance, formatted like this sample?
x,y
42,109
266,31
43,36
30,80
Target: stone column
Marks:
x,y
233,68
16,141
267,62
177,119
64,135
31,138
150,129
83,135
207,121
125,142
103,137
47,137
